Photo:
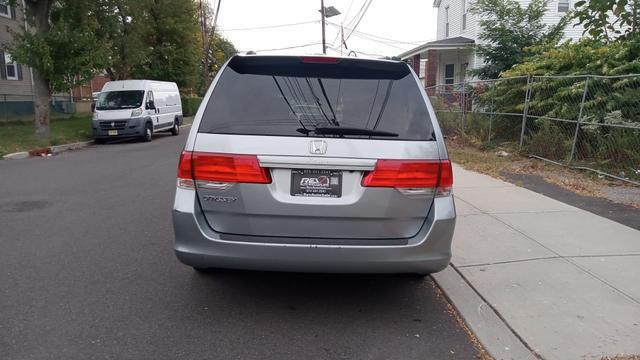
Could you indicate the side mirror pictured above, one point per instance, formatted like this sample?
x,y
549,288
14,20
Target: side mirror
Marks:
x,y
151,105
93,107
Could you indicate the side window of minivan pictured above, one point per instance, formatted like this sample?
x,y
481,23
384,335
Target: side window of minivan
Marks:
x,y
150,101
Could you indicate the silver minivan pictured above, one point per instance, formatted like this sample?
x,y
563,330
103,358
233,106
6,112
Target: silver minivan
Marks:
x,y
315,164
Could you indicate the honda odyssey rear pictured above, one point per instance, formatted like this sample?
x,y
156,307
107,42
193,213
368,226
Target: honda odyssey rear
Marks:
x,y
315,164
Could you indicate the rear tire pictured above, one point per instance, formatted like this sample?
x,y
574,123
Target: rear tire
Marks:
x,y
175,130
148,133
202,270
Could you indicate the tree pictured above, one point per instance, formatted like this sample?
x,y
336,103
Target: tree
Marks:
x,y
124,27
511,33
60,47
171,35
605,20
220,50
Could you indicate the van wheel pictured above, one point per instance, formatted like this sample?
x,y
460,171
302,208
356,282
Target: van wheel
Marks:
x,y
148,133
175,130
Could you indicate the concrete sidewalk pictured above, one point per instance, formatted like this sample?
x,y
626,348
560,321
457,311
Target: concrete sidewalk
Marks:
x,y
535,277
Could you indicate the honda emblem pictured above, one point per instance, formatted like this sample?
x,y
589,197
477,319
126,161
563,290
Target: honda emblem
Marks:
x,y
318,147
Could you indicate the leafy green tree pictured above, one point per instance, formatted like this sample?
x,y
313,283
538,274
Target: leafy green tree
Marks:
x,y
171,35
220,50
124,28
511,33
605,20
61,48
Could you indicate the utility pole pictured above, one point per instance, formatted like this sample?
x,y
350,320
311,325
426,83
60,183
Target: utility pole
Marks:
x,y
326,13
324,43
205,44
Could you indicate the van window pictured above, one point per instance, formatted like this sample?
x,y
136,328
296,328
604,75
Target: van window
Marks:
x,y
114,100
293,100
150,97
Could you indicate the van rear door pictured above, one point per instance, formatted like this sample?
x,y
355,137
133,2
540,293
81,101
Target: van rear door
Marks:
x,y
316,148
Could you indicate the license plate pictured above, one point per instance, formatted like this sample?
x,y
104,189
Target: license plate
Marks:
x,y
316,183
113,132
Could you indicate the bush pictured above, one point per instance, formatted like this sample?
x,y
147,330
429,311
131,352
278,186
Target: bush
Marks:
x,y
190,105
549,141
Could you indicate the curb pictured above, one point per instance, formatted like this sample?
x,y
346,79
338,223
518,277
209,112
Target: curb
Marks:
x,y
66,147
59,148
16,155
495,335
55,149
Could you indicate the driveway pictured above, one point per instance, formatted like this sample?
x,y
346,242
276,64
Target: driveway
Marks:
x,y
87,271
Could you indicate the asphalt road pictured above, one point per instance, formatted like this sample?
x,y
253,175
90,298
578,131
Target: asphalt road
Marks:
x,y
87,271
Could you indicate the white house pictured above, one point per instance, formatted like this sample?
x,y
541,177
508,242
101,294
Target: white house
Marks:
x,y
452,53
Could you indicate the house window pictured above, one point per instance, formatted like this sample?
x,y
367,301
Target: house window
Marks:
x,y
11,67
4,9
446,21
464,14
449,73
563,6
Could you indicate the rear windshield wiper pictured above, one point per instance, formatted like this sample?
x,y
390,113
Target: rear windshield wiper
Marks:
x,y
342,130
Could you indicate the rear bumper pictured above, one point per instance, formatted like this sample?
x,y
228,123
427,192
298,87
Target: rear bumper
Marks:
x,y
429,251
134,127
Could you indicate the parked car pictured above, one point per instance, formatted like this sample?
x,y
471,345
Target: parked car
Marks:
x,y
315,164
136,108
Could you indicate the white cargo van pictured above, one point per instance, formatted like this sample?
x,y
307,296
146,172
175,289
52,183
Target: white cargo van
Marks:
x,y
137,108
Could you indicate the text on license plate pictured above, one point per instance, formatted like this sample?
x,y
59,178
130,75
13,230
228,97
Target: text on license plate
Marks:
x,y
316,183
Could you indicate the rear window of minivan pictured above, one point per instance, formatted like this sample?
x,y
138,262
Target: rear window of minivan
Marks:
x,y
286,96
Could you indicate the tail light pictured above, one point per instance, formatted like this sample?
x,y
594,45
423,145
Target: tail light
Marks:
x,y
320,59
220,169
413,177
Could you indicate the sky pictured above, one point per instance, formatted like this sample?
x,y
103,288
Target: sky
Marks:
x,y
387,28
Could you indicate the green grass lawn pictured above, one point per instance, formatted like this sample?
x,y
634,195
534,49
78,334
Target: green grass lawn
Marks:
x,y
18,136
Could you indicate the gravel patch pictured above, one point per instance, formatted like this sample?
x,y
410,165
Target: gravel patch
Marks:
x,y
622,194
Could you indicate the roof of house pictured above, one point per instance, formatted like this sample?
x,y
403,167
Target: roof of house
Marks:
x,y
458,42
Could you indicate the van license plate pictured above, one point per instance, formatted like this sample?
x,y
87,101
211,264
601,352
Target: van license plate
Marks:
x,y
113,132
316,183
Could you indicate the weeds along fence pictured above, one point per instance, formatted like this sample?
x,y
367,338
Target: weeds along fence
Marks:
x,y
19,108
587,122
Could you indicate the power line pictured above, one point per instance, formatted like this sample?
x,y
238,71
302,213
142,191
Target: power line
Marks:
x,y
364,11
271,26
360,52
378,37
348,11
364,4
289,47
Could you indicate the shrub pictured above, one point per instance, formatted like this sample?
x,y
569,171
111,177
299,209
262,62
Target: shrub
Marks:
x,y
549,141
190,105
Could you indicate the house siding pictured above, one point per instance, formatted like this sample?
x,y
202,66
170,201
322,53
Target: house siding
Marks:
x,y
16,90
455,21
472,30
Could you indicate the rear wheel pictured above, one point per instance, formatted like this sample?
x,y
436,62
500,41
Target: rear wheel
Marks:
x,y
175,130
202,270
148,133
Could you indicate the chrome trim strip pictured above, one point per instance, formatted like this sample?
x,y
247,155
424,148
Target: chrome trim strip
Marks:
x,y
309,162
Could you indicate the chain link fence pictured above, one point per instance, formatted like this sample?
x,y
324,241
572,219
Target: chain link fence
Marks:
x,y
19,108
587,122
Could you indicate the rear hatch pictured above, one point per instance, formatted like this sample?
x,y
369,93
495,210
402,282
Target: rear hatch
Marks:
x,y
316,148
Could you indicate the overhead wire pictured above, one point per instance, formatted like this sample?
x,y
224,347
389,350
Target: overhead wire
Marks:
x,y
363,13
271,26
288,47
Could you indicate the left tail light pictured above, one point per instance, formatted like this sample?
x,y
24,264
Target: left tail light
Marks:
x,y
412,177
221,169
